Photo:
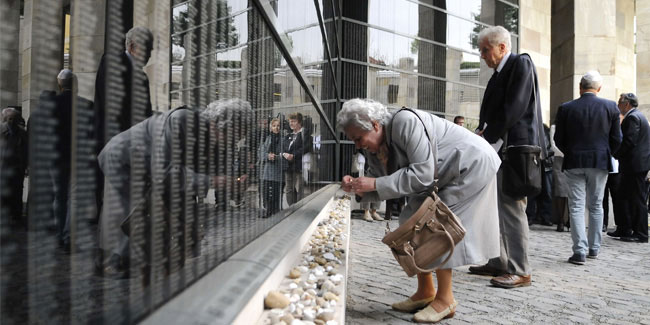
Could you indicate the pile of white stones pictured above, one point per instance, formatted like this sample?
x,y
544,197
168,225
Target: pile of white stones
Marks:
x,y
310,293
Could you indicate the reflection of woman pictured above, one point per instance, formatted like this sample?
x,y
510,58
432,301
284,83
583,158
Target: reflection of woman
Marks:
x,y
403,150
272,175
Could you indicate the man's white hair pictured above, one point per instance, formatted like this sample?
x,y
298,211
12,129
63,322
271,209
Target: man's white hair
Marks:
x,y
361,113
65,78
591,80
139,35
495,35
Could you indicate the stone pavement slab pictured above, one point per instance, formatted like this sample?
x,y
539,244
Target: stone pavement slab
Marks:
x,y
613,289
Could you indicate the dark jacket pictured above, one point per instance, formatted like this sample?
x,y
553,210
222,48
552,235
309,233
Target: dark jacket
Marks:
x,y
509,104
124,90
634,153
587,132
63,116
298,144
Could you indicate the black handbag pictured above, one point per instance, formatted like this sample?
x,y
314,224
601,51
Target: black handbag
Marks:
x,y
522,171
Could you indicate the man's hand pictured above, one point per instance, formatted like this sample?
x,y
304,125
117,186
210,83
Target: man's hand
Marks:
x,y
271,156
287,156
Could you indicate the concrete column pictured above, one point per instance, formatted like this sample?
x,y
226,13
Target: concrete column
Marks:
x,y
625,64
643,55
591,35
86,42
42,49
9,46
535,39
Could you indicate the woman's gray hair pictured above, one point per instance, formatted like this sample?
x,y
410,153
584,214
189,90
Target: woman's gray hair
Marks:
x,y
361,113
229,110
495,35
591,80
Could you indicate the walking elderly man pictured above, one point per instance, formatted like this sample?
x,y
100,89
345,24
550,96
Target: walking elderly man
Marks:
x,y
587,132
634,158
510,113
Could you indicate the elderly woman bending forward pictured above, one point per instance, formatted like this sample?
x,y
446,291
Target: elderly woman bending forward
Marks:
x,y
402,160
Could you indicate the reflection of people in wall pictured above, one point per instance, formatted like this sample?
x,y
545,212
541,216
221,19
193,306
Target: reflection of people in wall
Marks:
x,y
297,143
272,174
13,162
176,144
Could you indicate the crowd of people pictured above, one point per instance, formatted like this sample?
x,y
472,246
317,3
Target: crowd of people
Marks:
x,y
411,153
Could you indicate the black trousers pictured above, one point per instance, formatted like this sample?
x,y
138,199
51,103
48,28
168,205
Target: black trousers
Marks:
x,y
272,195
613,188
634,190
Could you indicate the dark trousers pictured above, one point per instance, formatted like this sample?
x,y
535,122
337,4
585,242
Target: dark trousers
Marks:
x,y
61,185
11,202
634,191
613,188
272,195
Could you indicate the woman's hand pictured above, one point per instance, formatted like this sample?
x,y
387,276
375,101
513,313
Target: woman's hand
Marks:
x,y
271,156
346,184
363,184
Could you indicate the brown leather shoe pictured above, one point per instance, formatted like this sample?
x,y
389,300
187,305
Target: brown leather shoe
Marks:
x,y
511,281
486,270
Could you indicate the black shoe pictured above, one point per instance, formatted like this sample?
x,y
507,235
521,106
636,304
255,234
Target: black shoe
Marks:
x,y
115,268
634,239
619,233
545,223
577,259
604,228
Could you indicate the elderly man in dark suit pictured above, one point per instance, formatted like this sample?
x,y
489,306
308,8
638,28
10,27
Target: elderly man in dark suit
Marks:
x,y
122,85
587,132
510,113
634,162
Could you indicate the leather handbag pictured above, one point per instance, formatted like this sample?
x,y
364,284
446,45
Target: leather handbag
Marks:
x,y
428,235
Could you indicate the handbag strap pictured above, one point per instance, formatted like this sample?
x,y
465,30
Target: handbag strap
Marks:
x,y
540,125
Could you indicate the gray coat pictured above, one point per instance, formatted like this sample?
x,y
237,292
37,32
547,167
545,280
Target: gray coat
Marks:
x,y
273,169
467,167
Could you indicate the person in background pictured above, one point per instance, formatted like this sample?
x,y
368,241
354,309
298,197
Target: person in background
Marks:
x,y
272,174
587,131
459,120
13,163
60,169
296,144
560,205
634,162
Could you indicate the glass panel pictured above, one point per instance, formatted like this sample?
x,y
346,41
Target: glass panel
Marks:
x,y
148,172
463,34
469,9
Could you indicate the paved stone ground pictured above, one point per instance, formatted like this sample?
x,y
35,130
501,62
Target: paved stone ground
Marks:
x,y
614,289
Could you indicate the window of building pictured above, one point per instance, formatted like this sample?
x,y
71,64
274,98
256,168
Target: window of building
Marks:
x,y
393,90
